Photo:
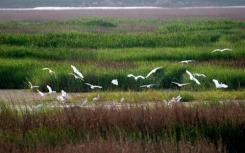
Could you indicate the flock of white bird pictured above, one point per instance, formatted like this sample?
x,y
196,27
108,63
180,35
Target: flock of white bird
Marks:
x,y
78,75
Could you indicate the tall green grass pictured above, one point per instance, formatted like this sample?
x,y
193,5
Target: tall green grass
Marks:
x,y
103,56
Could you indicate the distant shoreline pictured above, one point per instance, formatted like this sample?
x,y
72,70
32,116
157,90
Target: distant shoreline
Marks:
x,y
65,13
114,8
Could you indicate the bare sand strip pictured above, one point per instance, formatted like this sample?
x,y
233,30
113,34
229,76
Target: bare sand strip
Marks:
x,y
236,13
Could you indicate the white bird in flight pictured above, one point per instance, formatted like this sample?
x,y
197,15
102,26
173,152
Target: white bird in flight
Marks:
x,y
77,72
147,86
51,72
93,86
221,50
219,85
192,77
180,84
50,91
75,76
136,77
31,86
186,61
153,71
175,100
199,75
115,82
41,93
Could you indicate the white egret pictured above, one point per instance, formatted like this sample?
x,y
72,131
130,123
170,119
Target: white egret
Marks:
x,y
50,91
75,76
114,82
122,100
192,77
180,84
219,85
186,61
96,98
147,86
175,100
63,97
93,86
221,50
85,101
51,72
153,71
31,86
199,75
41,93
136,77
77,72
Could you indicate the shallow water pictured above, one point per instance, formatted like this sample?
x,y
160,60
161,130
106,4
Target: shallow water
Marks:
x,y
117,3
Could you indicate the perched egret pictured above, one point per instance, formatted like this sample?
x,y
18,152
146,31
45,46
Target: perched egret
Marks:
x,y
122,100
31,86
41,93
115,82
77,72
186,61
93,86
199,75
96,98
136,77
219,85
153,71
85,101
63,97
147,86
60,98
180,84
192,77
50,91
221,50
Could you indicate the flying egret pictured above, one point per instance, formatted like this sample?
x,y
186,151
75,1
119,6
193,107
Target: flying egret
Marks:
x,y
51,72
219,85
192,77
77,72
75,76
175,100
115,82
180,84
41,93
153,71
136,77
221,50
93,86
147,86
50,91
31,86
186,61
199,75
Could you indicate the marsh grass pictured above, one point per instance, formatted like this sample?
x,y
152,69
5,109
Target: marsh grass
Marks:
x,y
216,124
103,56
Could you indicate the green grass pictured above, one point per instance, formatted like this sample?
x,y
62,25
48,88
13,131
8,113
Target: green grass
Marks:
x,y
105,55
